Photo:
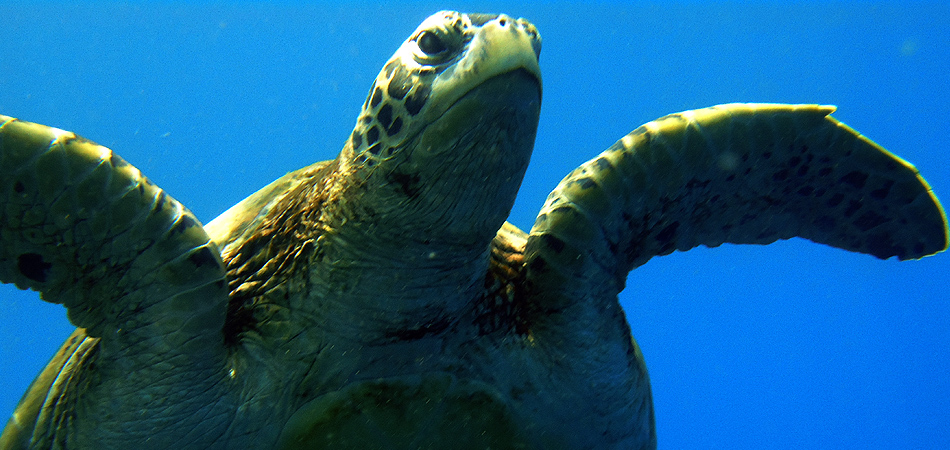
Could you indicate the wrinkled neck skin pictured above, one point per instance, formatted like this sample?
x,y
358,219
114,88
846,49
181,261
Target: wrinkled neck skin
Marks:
x,y
390,270
428,176
372,255
415,229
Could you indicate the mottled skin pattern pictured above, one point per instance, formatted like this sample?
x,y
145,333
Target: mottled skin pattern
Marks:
x,y
380,300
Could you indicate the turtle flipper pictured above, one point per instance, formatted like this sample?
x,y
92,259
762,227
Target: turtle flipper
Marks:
x,y
748,174
134,268
739,173
40,409
87,230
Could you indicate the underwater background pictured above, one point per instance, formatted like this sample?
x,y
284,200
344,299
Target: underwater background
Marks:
x,y
791,345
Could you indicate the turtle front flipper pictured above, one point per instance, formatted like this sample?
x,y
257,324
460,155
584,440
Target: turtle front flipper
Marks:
x,y
738,173
749,174
133,267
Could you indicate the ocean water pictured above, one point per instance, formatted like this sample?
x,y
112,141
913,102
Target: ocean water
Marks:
x,y
791,345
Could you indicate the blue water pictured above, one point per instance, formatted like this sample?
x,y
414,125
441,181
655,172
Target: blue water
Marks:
x,y
793,345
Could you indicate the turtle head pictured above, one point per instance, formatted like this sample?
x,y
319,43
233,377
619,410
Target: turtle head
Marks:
x,y
444,137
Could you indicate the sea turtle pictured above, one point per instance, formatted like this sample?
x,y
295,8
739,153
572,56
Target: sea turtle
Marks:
x,y
380,300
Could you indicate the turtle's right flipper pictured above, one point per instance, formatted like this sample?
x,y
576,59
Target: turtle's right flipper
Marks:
x,y
87,230
739,173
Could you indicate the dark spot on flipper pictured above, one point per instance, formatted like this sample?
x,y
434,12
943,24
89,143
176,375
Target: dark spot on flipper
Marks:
x,y
374,149
880,246
117,161
585,183
824,171
771,201
805,191
203,257
602,163
32,266
881,193
853,207
856,179
356,139
694,183
160,201
667,233
18,187
781,175
183,224
869,220
835,200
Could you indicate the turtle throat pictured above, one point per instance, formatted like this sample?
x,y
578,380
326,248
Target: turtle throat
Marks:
x,y
449,188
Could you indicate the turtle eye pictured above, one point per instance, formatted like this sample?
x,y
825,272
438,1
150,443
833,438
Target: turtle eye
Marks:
x,y
438,42
430,43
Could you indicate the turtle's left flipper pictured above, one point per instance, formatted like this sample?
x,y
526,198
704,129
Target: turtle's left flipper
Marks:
x,y
738,173
87,230
134,268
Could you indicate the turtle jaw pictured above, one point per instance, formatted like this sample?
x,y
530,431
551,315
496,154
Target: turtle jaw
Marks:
x,y
449,188
474,156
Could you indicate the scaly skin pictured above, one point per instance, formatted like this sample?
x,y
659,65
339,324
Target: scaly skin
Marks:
x,y
380,300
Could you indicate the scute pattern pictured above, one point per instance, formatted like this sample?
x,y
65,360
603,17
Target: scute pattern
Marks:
x,y
398,94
